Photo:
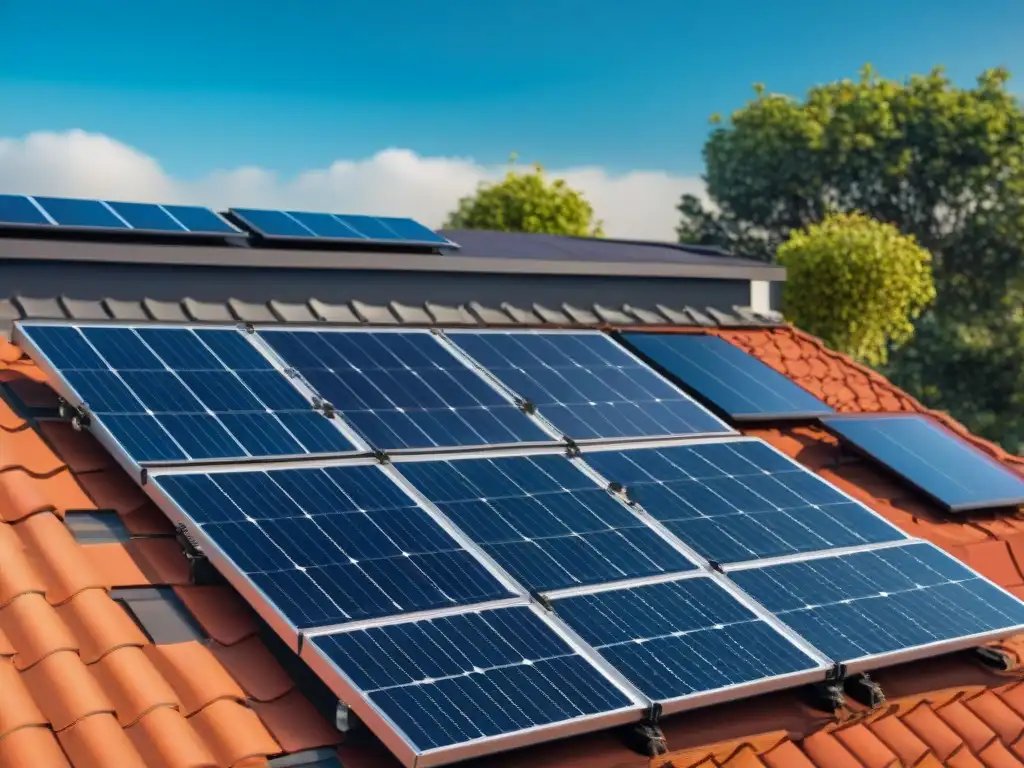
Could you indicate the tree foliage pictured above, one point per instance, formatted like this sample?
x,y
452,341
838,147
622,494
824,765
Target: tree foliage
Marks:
x,y
856,283
942,163
527,202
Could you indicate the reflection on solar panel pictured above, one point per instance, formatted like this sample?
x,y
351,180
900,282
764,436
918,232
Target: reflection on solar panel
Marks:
x,y
740,500
586,385
74,214
332,545
735,382
935,460
860,606
170,394
403,389
544,521
334,227
457,679
675,639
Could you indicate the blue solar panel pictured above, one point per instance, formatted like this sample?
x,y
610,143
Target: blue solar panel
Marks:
x,y
403,390
740,500
20,211
933,459
305,225
69,212
867,604
455,679
586,385
726,376
175,393
544,521
679,638
332,545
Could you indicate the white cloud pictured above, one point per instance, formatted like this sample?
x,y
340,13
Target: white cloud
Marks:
x,y
394,182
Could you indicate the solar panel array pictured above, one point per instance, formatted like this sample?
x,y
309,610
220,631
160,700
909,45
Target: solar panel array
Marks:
x,y
495,538
337,227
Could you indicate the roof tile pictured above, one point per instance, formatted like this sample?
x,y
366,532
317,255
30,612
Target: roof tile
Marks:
x,y
25,449
295,724
161,560
165,739
113,489
745,757
521,316
220,611
963,758
488,315
34,630
372,313
786,755
255,668
79,450
83,309
825,749
165,311
997,715
927,726
63,566
65,690
900,740
17,707
133,684
6,647
553,316
99,742
21,495
10,421
206,311
968,726
993,560
333,313
866,746
35,747
99,624
581,315
116,565
125,310
17,576
410,314
251,312
233,732
292,312
996,755
195,674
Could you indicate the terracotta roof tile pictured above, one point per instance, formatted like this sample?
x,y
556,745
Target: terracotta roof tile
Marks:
x,y
967,725
295,724
786,755
79,450
17,576
745,757
825,749
993,560
21,494
233,732
99,624
35,747
9,420
996,755
116,565
61,562
220,611
900,740
65,690
938,735
6,647
17,707
866,746
26,450
195,674
147,520
161,560
997,715
34,630
99,742
133,684
252,664
113,489
165,739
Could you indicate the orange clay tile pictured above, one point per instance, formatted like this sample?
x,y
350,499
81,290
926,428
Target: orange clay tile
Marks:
x,y
32,748
195,674
113,489
161,560
147,520
993,560
115,565
17,707
6,648
26,450
254,667
79,450
295,723
100,624
133,684
21,495
1013,696
900,740
825,749
997,715
165,739
233,732
927,726
786,755
996,755
220,611
17,576
34,630
65,690
745,757
99,742
865,746
61,563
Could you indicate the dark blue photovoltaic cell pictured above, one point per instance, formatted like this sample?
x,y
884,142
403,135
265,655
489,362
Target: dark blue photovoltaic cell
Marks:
x,y
69,212
545,522
933,459
337,226
878,602
117,216
403,390
175,393
200,220
19,211
332,545
678,638
453,679
740,500
586,385
146,216
722,373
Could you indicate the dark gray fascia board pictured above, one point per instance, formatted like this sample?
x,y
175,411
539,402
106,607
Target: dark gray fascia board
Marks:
x,y
214,256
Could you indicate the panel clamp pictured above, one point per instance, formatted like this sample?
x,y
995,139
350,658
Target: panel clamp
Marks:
x,y
543,601
381,456
525,406
716,566
249,328
572,451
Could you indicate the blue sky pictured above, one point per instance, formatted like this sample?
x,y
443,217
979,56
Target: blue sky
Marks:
x,y
202,85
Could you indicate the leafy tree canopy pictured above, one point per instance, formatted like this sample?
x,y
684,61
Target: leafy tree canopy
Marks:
x,y
527,202
856,283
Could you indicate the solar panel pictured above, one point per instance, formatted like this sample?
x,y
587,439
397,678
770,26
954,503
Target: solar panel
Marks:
x,y
736,383
678,641
403,390
335,227
443,689
867,609
543,520
171,394
739,500
587,385
331,545
933,459
60,213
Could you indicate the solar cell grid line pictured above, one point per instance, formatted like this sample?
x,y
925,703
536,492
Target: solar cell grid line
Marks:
x,y
883,606
402,390
586,385
542,519
738,499
327,545
688,641
936,461
172,393
735,382
442,689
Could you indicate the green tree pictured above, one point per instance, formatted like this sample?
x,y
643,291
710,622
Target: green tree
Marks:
x,y
856,283
527,202
940,162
